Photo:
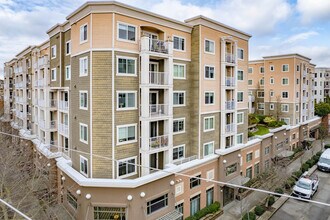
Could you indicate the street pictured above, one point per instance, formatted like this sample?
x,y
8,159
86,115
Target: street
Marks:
x,y
294,209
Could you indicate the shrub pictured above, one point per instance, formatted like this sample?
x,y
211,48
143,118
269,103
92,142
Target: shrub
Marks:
x,y
214,207
279,190
316,158
310,162
261,118
250,134
249,216
271,200
305,167
319,153
259,210
272,124
289,183
326,146
297,174
269,119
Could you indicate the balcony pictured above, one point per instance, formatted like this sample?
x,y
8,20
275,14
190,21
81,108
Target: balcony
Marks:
x,y
304,73
53,103
64,105
53,146
158,142
230,128
327,86
230,58
158,110
158,46
41,83
47,126
41,103
230,81
304,86
158,78
63,129
185,160
43,61
252,98
230,105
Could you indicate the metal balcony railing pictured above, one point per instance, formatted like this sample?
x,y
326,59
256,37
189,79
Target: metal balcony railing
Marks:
x,y
158,110
158,46
230,58
230,81
64,105
230,128
230,105
158,142
158,78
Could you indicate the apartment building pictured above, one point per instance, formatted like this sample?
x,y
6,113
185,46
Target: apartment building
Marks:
x,y
283,86
124,99
322,87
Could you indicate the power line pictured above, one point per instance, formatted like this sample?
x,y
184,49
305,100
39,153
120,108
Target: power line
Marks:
x,y
16,210
189,176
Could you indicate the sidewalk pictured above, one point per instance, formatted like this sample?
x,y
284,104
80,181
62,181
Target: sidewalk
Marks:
x,y
232,211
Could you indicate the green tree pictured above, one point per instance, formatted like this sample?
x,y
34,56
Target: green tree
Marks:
x,y
322,109
323,133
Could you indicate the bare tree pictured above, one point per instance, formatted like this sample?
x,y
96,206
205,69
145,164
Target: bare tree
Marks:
x,y
29,188
278,108
323,133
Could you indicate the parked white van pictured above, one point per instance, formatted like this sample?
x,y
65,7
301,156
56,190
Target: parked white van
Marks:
x,y
324,161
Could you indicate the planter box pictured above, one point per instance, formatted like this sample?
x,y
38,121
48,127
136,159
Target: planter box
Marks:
x,y
212,216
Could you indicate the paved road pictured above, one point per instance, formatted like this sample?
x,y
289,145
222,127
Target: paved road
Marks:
x,y
294,209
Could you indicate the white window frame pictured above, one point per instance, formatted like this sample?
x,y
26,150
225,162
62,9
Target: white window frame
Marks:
x,y
82,140
239,70
251,69
209,129
242,135
80,93
205,39
242,97
242,53
82,73
270,68
80,35
282,105
127,58
51,52
284,79
211,142
271,106
80,168
271,94
51,75
297,109
210,66
205,97
184,151
127,108
67,67
262,91
271,80
282,95
250,80
184,70
184,98
260,70
262,80
66,47
285,65
261,104
184,125
240,113
185,43
126,40
129,174
283,119
126,142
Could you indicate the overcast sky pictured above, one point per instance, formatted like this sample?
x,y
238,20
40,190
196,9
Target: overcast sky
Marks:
x,y
277,26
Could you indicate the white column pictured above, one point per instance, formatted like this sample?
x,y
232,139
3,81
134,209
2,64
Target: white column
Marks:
x,y
235,94
223,94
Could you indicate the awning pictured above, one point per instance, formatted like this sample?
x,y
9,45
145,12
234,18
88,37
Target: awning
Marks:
x,y
239,180
309,139
174,215
285,153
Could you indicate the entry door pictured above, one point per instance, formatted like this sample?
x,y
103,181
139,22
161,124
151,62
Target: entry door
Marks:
x,y
153,41
153,101
154,161
153,70
228,195
153,129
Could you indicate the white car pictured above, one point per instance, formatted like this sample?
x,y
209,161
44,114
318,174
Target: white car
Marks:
x,y
306,186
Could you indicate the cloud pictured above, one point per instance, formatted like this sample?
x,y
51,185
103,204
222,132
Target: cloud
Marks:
x,y
301,36
313,10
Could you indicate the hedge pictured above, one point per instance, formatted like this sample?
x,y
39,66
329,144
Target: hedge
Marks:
x,y
279,190
259,210
213,208
271,200
305,167
249,216
326,146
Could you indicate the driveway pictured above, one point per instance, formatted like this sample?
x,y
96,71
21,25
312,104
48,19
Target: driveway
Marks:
x,y
294,209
